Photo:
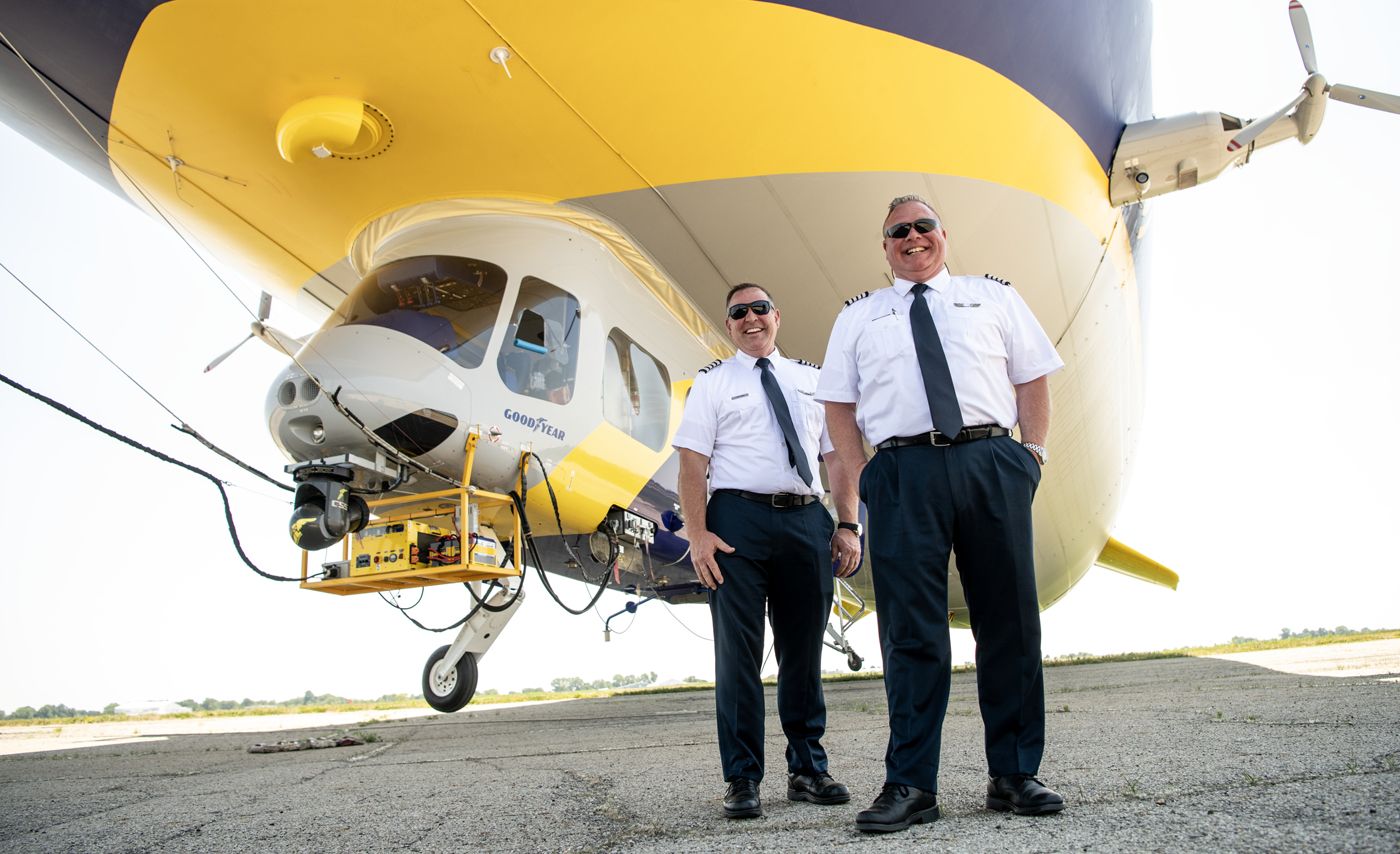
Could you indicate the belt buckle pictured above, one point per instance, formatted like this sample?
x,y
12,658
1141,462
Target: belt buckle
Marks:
x,y
938,440
778,500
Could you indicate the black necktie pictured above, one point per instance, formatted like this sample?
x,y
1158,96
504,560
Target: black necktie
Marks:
x,y
796,456
933,365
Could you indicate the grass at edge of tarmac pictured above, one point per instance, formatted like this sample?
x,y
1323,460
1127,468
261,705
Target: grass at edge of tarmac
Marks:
x,y
535,696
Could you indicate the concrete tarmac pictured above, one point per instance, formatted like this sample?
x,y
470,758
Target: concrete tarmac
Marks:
x,y
1166,755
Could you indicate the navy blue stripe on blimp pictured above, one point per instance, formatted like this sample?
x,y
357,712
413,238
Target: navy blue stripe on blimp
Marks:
x,y
676,580
1088,60
79,48
654,502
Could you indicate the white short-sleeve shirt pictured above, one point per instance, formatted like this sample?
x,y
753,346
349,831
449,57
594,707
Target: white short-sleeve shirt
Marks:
x,y
990,337
728,418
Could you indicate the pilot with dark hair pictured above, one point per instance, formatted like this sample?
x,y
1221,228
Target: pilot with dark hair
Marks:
x,y
763,536
934,371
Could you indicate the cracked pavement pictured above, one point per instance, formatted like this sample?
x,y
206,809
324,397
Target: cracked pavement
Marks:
x,y
1172,754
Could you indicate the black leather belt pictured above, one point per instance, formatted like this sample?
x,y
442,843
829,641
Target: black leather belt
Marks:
x,y
937,439
777,499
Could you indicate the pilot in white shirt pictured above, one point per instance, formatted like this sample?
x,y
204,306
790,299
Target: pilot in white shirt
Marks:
x,y
934,372
760,535
992,342
729,419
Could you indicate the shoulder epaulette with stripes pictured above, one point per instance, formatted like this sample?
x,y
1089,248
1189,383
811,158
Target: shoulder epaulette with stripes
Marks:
x,y
711,366
996,279
807,363
857,298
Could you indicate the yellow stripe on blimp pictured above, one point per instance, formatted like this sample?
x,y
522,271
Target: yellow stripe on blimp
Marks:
x,y
801,92
608,468
600,98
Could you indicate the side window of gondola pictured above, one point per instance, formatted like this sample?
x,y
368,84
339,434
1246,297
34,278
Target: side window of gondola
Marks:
x,y
636,391
446,302
539,356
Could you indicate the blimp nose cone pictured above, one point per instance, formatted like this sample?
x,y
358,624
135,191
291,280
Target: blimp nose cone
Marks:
x,y
397,387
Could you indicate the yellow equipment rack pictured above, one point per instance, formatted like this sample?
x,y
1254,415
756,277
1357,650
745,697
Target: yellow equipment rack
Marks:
x,y
491,506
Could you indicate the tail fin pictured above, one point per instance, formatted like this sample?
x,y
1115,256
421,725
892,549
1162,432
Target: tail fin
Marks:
x,y
1129,561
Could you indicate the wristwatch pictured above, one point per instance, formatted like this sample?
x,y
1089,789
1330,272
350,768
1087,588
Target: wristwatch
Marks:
x,y
1039,451
851,526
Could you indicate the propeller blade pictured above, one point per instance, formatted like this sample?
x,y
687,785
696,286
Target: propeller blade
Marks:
x,y
1303,33
229,352
1253,129
264,306
1365,98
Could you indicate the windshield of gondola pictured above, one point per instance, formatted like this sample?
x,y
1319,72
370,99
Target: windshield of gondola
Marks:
x,y
449,303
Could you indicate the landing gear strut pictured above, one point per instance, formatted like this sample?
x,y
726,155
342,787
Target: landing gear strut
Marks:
x,y
449,677
847,607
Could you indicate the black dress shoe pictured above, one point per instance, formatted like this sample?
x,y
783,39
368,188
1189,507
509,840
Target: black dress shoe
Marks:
x,y
817,789
741,799
896,807
1023,795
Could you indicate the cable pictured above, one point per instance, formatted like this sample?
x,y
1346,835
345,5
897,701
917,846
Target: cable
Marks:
x,y
394,604
182,426
482,601
700,247
174,163
685,554
481,604
358,423
187,429
554,502
355,420
218,484
539,564
89,342
404,611
607,627
256,492
388,486
544,578
682,623
457,624
405,462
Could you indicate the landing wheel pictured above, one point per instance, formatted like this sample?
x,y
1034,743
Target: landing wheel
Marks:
x,y
854,661
449,689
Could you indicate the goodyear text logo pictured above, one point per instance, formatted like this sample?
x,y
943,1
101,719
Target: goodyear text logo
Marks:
x,y
536,425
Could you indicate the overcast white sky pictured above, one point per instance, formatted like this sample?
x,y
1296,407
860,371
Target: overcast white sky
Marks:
x,y
1266,473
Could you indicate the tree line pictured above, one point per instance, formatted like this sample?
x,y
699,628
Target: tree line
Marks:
x,y
310,698
1307,633
574,683
24,713
208,704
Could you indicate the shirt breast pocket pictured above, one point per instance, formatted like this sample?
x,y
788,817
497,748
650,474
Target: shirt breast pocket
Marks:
x,y
744,413
979,331
885,338
813,414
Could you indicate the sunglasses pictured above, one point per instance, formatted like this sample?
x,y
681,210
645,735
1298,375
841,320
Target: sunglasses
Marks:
x,y
901,229
740,309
